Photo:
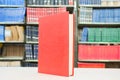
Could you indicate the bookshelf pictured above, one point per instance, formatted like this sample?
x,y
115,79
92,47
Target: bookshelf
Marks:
x,y
43,10
23,51
12,46
86,19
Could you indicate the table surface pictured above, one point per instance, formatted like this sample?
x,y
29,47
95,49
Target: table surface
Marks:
x,y
25,73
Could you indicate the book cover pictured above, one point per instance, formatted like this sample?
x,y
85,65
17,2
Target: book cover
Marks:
x,y
56,44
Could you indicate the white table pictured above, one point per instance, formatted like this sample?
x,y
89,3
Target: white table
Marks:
x,y
23,73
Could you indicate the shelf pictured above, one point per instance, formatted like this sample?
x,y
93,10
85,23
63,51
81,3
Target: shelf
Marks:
x,y
31,60
11,58
99,43
100,6
11,42
97,23
6,23
99,61
31,42
11,6
68,6
32,23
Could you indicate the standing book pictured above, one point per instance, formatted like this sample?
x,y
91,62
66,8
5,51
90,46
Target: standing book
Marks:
x,y
56,45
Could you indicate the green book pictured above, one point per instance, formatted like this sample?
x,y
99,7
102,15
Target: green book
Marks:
x,y
91,34
98,34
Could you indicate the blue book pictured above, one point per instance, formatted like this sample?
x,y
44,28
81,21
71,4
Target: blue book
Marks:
x,y
84,35
12,2
2,14
35,51
2,33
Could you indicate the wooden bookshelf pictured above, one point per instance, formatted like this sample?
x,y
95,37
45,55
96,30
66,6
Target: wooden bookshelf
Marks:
x,y
99,61
43,6
12,42
31,60
12,23
100,6
11,58
31,42
32,23
98,24
108,43
11,6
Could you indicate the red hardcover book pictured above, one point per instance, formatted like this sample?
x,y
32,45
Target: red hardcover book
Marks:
x,y
91,65
56,44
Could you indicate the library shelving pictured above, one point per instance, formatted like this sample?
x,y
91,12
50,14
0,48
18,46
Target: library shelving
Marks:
x,y
12,32
98,32
35,9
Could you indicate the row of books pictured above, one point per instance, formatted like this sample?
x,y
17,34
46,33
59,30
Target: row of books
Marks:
x,y
91,65
31,51
90,2
10,50
32,33
100,2
50,2
106,15
12,14
110,2
85,14
99,52
33,14
11,33
100,35
30,64
12,2
10,64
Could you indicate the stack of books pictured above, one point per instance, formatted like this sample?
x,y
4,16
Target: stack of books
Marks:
x,y
50,2
12,2
110,2
12,14
33,14
85,14
10,64
30,64
31,51
90,2
32,33
10,50
100,35
106,15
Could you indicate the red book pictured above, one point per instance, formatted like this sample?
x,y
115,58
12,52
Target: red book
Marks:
x,y
56,44
91,65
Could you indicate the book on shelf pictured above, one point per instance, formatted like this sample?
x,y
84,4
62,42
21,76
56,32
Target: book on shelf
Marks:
x,y
32,33
12,14
2,33
98,52
10,50
84,34
10,64
50,2
31,51
28,51
100,35
56,44
90,2
12,2
35,51
91,65
85,14
30,64
110,2
14,33
33,14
